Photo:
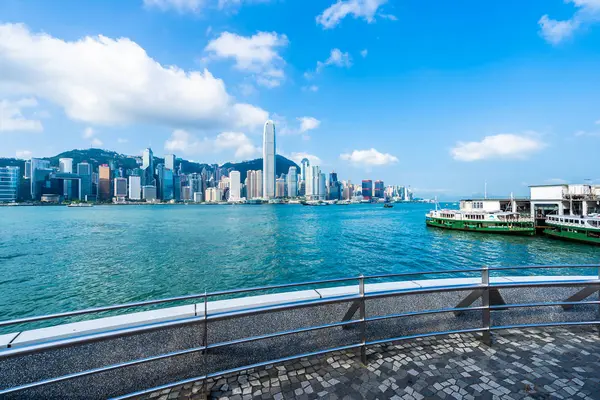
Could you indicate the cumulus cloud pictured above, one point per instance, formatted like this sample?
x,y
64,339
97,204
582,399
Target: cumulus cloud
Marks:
x,y
555,31
182,141
88,132
257,54
298,157
311,88
364,53
24,154
506,145
308,123
336,58
108,81
365,9
12,119
369,158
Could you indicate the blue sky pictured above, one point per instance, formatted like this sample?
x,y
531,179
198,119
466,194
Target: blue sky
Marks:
x,y
438,95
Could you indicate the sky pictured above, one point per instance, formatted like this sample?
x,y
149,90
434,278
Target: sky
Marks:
x,y
439,95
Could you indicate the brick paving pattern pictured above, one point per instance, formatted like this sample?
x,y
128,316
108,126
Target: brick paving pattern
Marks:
x,y
521,364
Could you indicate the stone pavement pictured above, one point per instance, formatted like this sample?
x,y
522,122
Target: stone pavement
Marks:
x,y
521,364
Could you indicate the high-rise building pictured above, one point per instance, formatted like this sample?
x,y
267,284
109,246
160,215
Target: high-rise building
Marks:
x,y
120,189
234,186
269,160
10,178
292,182
166,184
27,174
135,187
40,170
65,165
148,167
379,190
367,189
304,164
84,170
149,192
170,162
280,188
214,195
322,186
104,193
255,184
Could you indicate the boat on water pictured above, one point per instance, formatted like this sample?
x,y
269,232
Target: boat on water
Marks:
x,y
388,205
508,216
576,228
80,205
315,203
343,203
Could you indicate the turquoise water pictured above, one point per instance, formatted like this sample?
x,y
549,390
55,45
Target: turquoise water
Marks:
x,y
55,259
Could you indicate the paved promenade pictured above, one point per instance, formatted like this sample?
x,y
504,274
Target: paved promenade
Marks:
x,y
521,364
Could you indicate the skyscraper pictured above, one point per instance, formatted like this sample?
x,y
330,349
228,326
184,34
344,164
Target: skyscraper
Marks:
x,y
255,184
280,187
367,189
170,162
9,184
104,183
65,165
234,186
40,170
304,164
84,170
120,189
269,160
135,187
379,190
322,186
148,167
292,182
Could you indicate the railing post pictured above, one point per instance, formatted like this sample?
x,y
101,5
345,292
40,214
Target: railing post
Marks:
x,y
485,302
205,344
598,306
363,324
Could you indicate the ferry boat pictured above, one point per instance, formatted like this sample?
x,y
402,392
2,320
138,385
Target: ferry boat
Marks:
x,y
508,216
80,205
577,228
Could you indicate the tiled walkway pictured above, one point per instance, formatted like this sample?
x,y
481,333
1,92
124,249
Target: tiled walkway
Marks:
x,y
534,364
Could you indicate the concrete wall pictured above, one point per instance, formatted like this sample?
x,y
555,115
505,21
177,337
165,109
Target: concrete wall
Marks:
x,y
18,370
548,192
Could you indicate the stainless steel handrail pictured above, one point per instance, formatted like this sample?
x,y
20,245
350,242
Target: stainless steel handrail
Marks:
x,y
361,298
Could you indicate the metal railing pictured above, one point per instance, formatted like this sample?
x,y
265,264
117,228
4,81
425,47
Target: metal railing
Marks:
x,y
482,290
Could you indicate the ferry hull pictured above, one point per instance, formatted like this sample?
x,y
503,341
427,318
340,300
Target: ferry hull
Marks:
x,y
577,236
473,227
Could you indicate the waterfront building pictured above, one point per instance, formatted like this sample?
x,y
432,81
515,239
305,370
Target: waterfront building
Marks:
x,y
255,184
304,164
149,193
197,197
120,188
40,171
27,174
269,160
292,182
234,186
9,184
322,186
65,165
166,184
186,193
104,192
135,187
148,167
334,187
280,188
170,162
367,189
84,170
379,190
214,195
301,188
177,186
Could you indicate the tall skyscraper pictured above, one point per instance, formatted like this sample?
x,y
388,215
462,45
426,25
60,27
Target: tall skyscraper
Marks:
x,y
27,174
104,193
367,189
379,190
40,170
135,187
269,160
120,189
279,187
255,184
84,170
148,167
304,164
170,162
234,186
9,184
322,186
292,182
65,165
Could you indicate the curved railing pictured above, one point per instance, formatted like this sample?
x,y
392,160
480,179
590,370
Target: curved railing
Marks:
x,y
479,290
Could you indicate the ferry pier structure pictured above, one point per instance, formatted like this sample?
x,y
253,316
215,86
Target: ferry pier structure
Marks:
x,y
563,199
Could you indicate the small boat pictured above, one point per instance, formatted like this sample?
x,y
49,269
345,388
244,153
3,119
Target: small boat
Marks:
x,y
80,205
315,203
388,205
343,203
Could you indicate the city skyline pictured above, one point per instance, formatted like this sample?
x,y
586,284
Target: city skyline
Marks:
x,y
445,110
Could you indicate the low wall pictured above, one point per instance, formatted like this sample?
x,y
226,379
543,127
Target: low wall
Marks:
x,y
187,331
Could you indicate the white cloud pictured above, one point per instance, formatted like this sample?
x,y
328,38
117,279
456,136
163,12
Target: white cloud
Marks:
x,y
337,58
365,9
369,158
364,53
256,54
586,134
24,154
298,157
108,81
88,132
12,119
308,123
122,140
247,89
182,141
178,5
96,142
554,31
506,145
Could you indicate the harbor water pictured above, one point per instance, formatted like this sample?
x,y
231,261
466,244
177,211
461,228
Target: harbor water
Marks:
x,y
55,259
